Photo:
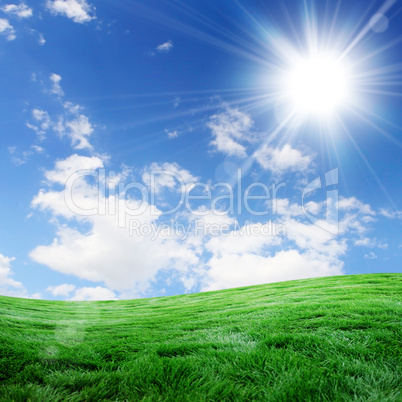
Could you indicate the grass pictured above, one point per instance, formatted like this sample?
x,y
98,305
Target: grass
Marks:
x,y
327,339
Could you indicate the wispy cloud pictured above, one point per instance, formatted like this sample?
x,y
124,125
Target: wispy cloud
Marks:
x,y
280,160
93,294
371,256
56,87
61,290
77,10
231,129
176,102
81,294
172,134
391,214
9,286
107,251
75,125
21,10
7,30
41,39
165,47
20,158
166,175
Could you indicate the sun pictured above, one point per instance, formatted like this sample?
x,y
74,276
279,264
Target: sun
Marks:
x,y
317,86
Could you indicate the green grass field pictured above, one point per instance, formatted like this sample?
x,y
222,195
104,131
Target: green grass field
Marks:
x,y
331,339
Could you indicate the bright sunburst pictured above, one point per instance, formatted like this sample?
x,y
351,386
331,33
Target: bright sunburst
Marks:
x,y
317,85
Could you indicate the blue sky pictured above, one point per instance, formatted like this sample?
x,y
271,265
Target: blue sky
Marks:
x,y
164,147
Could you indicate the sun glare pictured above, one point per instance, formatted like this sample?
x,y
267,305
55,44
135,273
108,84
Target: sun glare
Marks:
x,y
317,86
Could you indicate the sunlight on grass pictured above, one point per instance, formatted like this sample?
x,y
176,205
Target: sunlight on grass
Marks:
x,y
333,338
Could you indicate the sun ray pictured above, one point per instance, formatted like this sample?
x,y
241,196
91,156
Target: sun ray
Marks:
x,y
367,164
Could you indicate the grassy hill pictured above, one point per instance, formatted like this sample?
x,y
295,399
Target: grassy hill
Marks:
x,y
335,338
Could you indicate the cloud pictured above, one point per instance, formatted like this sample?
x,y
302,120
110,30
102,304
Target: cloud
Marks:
x,y
72,123
8,286
77,10
365,242
112,250
5,272
41,125
172,134
76,126
353,204
61,290
56,87
20,158
21,11
289,247
165,47
7,30
93,294
281,160
387,213
65,168
242,241
82,294
41,117
232,270
78,130
111,247
85,195
176,102
41,39
168,175
371,256
229,129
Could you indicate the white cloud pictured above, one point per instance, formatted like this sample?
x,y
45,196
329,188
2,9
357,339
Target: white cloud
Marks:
x,y
77,10
229,129
352,203
42,123
172,134
365,242
128,261
65,168
279,160
232,270
5,273
109,251
8,286
61,290
176,102
7,29
82,294
247,239
37,148
43,117
168,175
371,256
41,39
165,47
20,158
93,294
56,88
21,11
83,194
302,250
72,123
387,213
306,251
78,128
